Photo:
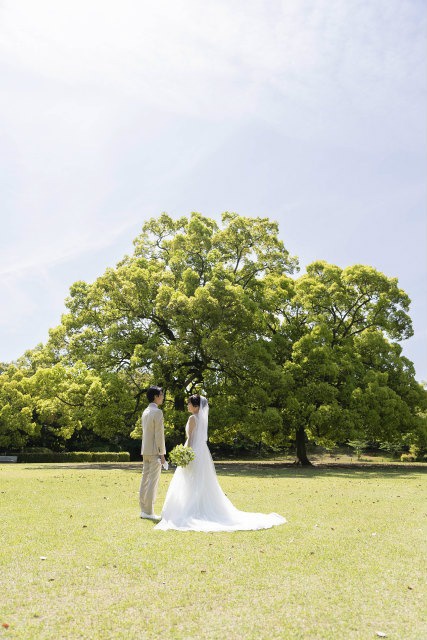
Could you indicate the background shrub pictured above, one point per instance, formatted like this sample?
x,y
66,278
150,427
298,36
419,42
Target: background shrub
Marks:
x,y
407,457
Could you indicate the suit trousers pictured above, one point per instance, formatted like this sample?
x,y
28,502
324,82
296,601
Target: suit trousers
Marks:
x,y
151,469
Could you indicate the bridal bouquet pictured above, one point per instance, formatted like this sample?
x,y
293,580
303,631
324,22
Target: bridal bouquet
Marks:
x,y
181,456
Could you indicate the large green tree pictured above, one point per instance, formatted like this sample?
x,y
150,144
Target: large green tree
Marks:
x,y
49,405
347,376
191,308
202,306
16,416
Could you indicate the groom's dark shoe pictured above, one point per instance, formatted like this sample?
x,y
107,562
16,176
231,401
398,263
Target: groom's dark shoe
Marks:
x,y
150,516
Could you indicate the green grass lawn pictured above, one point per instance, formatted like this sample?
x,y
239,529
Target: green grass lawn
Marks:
x,y
78,562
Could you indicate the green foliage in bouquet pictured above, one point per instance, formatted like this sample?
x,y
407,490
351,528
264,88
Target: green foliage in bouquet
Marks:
x,y
181,456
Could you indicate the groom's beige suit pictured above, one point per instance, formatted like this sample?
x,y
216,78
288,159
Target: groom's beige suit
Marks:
x,y
153,446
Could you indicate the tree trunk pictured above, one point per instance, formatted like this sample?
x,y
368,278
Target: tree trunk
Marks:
x,y
179,402
301,449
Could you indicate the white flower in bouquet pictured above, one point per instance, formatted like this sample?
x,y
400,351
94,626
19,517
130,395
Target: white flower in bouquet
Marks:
x,y
181,456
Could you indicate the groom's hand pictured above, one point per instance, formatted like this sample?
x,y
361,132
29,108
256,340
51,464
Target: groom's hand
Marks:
x,y
162,459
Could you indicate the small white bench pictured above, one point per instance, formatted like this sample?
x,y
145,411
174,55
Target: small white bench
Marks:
x,y
8,459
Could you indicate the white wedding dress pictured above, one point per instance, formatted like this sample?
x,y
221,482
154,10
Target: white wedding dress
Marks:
x,y
195,500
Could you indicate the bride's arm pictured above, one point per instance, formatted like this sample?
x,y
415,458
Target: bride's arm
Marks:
x,y
191,427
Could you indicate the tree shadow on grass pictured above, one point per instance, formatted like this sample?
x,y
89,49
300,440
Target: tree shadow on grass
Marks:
x,y
328,470
103,466
265,469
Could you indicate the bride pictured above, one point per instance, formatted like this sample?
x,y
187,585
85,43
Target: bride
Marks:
x,y
195,500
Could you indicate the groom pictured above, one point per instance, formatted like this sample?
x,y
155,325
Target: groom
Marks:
x,y
153,452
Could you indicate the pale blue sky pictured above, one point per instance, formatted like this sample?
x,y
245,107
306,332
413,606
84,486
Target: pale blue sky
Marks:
x,y
312,113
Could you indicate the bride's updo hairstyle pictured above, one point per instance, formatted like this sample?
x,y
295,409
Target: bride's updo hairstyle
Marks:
x,y
194,400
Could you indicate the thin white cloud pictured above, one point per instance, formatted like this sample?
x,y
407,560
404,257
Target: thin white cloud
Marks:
x,y
329,69
177,55
40,259
113,108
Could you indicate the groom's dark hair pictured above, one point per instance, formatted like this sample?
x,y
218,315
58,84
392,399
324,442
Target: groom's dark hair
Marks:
x,y
152,392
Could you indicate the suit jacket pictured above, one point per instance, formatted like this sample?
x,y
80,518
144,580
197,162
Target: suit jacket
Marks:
x,y
153,432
